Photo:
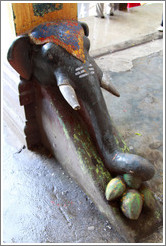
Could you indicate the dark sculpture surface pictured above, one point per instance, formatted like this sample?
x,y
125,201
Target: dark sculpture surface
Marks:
x,y
57,55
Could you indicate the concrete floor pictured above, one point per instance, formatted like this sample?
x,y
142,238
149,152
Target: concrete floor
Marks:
x,y
123,26
41,203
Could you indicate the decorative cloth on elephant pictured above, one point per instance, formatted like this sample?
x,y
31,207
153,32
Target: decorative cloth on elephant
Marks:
x,y
67,34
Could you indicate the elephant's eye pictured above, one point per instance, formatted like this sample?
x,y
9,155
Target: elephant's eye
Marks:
x,y
50,56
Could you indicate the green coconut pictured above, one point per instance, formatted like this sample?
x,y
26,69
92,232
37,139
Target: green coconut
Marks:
x,y
148,197
132,203
115,188
132,181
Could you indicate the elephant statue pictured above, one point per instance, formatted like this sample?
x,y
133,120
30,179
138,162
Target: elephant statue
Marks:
x,y
57,55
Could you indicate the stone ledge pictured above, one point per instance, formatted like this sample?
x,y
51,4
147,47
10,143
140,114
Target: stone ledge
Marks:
x,y
126,44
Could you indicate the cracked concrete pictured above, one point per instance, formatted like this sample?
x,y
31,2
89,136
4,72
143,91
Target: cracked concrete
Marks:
x,y
123,60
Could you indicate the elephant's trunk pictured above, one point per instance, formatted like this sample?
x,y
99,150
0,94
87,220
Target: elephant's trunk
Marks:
x,y
129,163
95,113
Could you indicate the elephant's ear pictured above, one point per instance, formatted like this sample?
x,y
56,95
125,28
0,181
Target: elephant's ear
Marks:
x,y
19,56
85,27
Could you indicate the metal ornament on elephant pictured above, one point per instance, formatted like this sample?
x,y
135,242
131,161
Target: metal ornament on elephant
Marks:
x,y
67,34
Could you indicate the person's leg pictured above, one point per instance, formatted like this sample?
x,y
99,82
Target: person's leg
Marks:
x,y
162,21
100,10
160,29
111,5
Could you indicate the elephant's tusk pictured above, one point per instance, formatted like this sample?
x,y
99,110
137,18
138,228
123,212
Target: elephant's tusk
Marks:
x,y
109,87
70,96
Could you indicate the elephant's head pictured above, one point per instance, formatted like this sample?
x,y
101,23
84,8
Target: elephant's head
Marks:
x,y
57,54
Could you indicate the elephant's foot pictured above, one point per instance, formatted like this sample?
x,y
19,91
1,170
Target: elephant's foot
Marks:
x,y
128,187
121,163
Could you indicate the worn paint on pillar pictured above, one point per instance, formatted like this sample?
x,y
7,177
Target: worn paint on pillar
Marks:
x,y
40,9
